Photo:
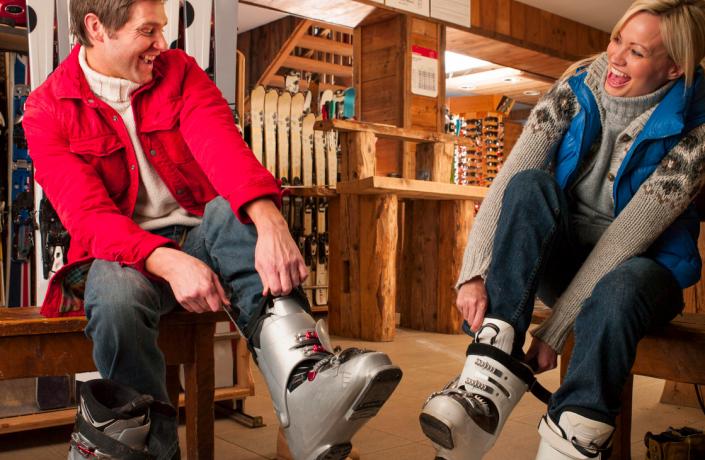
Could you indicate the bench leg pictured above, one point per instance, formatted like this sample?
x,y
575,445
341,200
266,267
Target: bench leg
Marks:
x,y
621,442
173,386
199,387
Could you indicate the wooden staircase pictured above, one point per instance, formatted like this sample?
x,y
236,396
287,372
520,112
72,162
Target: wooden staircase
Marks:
x,y
319,52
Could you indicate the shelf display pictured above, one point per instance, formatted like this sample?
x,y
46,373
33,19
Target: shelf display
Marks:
x,y
480,162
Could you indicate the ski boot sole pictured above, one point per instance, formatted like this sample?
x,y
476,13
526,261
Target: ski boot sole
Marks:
x,y
336,452
376,393
437,431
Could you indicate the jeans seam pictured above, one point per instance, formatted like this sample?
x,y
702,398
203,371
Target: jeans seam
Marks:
x,y
519,311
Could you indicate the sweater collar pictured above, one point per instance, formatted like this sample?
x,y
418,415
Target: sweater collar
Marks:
x,y
110,89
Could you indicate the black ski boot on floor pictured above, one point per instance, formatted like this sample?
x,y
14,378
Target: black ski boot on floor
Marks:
x,y
112,422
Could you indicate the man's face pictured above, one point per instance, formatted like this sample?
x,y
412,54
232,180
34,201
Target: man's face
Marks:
x,y
129,52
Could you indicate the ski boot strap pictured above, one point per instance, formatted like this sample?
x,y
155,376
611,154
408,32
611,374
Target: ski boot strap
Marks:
x,y
515,366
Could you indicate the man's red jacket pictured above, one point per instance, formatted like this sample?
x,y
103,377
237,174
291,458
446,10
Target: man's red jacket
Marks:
x,y
86,163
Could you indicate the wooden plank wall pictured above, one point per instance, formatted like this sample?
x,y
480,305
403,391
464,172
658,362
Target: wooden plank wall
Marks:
x,y
378,67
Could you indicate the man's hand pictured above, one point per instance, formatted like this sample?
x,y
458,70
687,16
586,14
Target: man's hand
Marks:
x,y
540,356
472,302
194,284
277,257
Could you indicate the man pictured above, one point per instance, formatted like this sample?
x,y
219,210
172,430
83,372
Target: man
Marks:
x,y
166,205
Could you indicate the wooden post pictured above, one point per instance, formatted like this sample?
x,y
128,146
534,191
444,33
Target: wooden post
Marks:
x,y
363,276
358,155
434,161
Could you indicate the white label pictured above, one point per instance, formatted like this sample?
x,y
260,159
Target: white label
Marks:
x,y
455,11
414,6
424,72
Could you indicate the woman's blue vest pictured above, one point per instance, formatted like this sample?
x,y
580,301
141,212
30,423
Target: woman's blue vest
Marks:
x,y
678,112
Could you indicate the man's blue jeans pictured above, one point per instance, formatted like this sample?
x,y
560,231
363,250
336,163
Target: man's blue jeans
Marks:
x,y
124,307
536,251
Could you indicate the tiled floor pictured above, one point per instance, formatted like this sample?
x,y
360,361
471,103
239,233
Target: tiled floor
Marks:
x,y
429,361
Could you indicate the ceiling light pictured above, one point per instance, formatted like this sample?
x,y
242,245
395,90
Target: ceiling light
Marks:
x,y
532,92
489,77
468,87
456,62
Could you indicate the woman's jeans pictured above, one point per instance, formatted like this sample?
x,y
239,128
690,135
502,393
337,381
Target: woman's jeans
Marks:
x,y
535,251
124,307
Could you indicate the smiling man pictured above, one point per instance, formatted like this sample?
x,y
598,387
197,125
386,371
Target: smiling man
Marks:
x,y
166,205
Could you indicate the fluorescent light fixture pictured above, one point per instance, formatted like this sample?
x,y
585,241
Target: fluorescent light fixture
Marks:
x,y
496,76
456,62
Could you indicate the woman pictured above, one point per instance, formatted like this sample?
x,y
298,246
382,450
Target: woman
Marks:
x,y
592,212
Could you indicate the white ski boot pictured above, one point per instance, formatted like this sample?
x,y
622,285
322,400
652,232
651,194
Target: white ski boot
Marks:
x,y
321,397
112,422
575,437
465,418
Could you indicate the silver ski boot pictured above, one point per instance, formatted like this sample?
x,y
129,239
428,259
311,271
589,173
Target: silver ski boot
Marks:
x,y
465,418
321,397
112,422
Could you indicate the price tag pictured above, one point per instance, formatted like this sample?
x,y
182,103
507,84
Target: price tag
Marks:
x,y
424,71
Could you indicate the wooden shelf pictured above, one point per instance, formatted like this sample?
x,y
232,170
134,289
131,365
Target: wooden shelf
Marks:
x,y
66,416
390,132
408,188
316,190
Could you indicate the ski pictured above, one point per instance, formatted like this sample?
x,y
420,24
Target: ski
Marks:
x,y
349,104
331,148
296,224
283,118
270,131
171,32
323,105
307,141
257,121
197,31
321,294
310,245
21,203
297,115
319,147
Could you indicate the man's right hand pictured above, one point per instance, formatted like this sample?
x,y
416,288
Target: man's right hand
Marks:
x,y
472,302
195,286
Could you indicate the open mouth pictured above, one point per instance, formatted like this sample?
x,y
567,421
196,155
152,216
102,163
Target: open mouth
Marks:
x,y
149,60
616,78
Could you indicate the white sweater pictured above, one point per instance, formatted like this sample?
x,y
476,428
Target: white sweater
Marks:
x,y
156,207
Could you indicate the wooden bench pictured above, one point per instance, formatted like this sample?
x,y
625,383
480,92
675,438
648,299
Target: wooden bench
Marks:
x,y
674,353
34,346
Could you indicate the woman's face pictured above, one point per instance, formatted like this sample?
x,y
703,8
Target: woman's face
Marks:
x,y
638,61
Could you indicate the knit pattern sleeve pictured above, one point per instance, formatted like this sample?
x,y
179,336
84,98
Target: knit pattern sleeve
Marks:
x,y
534,149
659,201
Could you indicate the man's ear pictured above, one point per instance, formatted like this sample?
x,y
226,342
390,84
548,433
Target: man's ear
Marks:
x,y
94,28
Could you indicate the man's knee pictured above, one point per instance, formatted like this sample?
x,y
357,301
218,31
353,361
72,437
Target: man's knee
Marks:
x,y
119,297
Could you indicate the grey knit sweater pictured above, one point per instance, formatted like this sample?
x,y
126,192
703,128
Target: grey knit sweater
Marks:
x,y
658,202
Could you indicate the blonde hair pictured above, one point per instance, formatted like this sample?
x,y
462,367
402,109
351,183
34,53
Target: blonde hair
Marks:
x,y
682,31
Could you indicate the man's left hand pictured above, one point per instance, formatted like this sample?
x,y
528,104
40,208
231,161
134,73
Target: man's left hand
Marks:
x,y
277,257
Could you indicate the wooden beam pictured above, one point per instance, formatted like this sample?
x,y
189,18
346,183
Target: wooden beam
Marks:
x,y
334,27
315,66
285,51
277,81
409,188
329,46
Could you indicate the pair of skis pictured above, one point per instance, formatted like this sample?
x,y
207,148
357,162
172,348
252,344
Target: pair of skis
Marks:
x,y
308,223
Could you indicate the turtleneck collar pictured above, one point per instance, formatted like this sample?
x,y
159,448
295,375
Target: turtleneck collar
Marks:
x,y
110,89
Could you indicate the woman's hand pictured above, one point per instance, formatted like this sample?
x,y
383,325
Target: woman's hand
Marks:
x,y
472,302
540,356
